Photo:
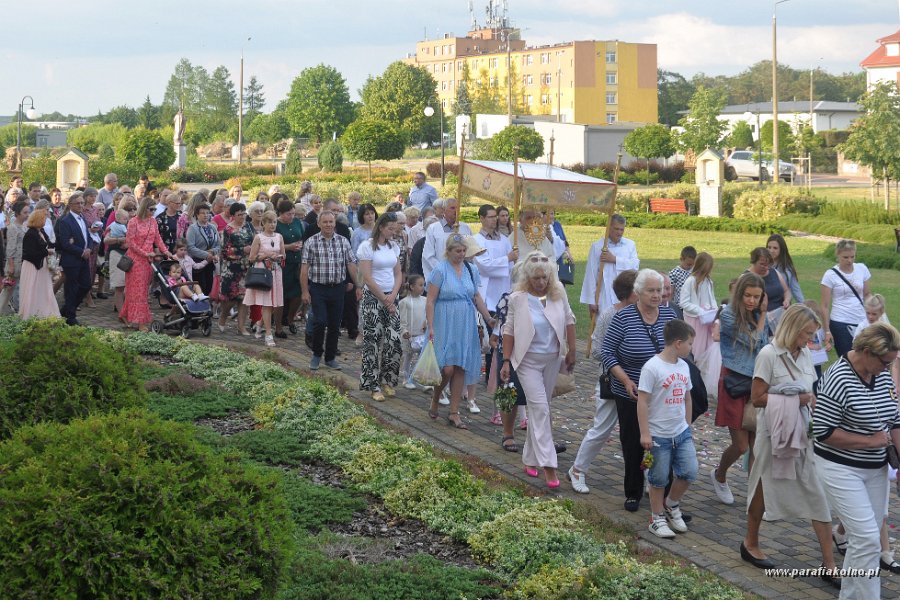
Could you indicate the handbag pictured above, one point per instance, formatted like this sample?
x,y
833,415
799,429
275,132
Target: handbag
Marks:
x,y
748,422
566,271
892,457
565,383
484,336
606,386
258,278
125,263
737,385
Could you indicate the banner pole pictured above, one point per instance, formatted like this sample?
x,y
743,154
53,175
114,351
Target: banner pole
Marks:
x,y
600,268
459,183
517,192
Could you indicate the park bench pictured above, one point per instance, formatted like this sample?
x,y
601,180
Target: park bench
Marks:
x,y
668,205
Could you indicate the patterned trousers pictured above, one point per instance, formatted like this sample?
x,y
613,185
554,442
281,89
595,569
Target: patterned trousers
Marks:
x,y
381,345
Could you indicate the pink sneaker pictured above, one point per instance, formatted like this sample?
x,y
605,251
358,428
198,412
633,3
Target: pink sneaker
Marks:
x,y
523,424
496,419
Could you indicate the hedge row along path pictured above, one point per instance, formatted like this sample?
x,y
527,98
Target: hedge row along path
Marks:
x,y
715,533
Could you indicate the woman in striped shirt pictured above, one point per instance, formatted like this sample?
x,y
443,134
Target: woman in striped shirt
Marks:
x,y
635,335
856,419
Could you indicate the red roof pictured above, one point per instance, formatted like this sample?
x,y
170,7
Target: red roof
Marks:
x,y
879,57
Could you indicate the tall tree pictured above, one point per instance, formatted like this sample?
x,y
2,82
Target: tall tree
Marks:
x,y
254,98
463,103
875,137
702,127
319,103
741,136
674,93
219,96
371,139
399,96
650,141
148,115
123,115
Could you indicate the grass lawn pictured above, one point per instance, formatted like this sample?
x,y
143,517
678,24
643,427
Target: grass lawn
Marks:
x,y
660,249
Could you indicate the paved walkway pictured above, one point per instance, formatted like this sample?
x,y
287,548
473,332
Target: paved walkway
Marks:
x,y
716,530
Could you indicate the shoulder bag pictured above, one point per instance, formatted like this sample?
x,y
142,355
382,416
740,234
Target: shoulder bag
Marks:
x,y
849,285
565,271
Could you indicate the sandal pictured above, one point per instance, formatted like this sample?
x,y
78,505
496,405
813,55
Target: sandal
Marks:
x,y
458,424
433,413
514,447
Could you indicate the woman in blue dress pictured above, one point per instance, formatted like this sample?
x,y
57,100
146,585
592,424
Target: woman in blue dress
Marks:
x,y
452,296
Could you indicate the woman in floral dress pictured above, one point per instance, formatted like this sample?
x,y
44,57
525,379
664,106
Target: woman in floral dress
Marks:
x,y
142,236
237,237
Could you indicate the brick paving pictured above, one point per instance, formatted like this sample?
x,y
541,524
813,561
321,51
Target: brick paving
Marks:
x,y
715,533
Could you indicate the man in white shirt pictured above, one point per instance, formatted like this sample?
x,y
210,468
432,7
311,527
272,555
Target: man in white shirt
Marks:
x,y
437,234
620,256
494,265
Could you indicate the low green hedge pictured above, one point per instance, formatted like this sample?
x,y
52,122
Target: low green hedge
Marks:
x,y
129,505
53,372
874,257
824,225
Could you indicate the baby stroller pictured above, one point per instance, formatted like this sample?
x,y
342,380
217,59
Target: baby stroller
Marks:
x,y
188,313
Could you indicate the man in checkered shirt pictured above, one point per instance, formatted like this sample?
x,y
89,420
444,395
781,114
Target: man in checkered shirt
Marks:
x,y
679,275
327,259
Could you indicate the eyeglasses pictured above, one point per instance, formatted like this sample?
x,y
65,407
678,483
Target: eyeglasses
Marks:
x,y
456,237
535,259
884,363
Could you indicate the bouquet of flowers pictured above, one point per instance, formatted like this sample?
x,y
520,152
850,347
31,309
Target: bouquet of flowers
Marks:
x,y
647,463
505,397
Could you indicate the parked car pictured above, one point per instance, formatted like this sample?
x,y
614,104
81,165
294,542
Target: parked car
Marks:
x,y
745,163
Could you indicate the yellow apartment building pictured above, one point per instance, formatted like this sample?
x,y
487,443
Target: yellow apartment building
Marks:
x,y
589,82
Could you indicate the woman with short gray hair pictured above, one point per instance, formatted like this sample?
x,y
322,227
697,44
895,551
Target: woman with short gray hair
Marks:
x,y
635,335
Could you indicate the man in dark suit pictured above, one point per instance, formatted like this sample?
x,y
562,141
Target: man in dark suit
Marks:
x,y
74,244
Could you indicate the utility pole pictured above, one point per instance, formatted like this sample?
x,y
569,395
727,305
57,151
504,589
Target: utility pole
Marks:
x,y
509,103
241,112
776,165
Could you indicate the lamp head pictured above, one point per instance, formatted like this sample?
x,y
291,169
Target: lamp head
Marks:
x,y
429,111
31,113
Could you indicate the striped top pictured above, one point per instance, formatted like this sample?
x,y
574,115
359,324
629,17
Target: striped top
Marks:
x,y
846,402
630,343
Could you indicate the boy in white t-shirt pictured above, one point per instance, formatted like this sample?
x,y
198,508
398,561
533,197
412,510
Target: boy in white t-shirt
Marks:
x,y
664,417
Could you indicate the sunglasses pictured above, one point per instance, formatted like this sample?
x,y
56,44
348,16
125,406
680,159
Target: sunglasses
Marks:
x,y
535,259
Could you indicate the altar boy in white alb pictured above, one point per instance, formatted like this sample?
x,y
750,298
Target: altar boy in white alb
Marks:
x,y
495,265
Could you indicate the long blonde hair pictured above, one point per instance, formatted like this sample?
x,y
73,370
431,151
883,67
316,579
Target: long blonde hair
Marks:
x,y
703,266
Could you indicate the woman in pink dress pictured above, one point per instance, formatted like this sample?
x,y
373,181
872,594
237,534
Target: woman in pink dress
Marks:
x,y
36,297
142,236
267,251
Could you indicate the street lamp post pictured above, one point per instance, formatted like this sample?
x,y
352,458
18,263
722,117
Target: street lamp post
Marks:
x,y
429,112
241,111
31,115
776,165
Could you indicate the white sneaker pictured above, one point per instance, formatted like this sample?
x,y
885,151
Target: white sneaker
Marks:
x,y
409,385
444,401
722,490
473,408
578,481
202,297
660,528
195,297
675,520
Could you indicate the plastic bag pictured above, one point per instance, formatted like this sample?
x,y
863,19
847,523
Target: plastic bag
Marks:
x,y
427,372
418,342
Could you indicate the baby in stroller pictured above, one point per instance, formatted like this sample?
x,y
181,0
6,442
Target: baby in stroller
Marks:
x,y
186,291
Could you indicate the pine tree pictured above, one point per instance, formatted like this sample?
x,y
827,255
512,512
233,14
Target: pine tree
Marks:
x,y
254,98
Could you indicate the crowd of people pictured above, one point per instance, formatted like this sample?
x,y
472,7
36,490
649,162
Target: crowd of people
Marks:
x,y
816,444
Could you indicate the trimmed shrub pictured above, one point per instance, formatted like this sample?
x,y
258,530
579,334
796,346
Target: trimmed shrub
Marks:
x,y
435,483
433,169
378,468
145,342
770,203
461,517
330,157
53,372
874,234
129,505
147,149
293,162
106,152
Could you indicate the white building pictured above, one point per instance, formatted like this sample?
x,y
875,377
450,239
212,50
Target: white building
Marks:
x,y
825,114
884,63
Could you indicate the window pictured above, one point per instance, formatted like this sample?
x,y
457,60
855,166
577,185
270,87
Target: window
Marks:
x,y
610,97
444,103
545,58
612,78
529,59
443,67
528,79
528,100
493,63
545,99
493,82
459,65
435,51
548,79
444,85
610,118
610,56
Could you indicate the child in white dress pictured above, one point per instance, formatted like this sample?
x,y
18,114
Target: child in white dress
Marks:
x,y
412,325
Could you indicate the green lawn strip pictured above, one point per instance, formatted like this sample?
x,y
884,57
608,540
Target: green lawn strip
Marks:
x,y
523,539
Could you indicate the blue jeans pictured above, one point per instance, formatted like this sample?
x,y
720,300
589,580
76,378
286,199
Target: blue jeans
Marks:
x,y
673,455
842,333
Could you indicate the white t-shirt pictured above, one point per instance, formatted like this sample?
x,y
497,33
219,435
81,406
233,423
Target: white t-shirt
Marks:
x,y
544,340
383,261
845,307
668,386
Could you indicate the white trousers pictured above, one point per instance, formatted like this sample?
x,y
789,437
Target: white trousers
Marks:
x,y
537,374
857,497
605,420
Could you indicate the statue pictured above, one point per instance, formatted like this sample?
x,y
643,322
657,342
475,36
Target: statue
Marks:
x,y
179,127
13,160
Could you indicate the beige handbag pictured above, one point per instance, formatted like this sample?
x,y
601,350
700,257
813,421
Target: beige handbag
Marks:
x,y
749,421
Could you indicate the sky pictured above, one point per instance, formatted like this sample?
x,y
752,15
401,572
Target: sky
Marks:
x,y
90,56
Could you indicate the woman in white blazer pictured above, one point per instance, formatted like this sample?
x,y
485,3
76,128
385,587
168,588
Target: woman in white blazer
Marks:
x,y
698,298
539,335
